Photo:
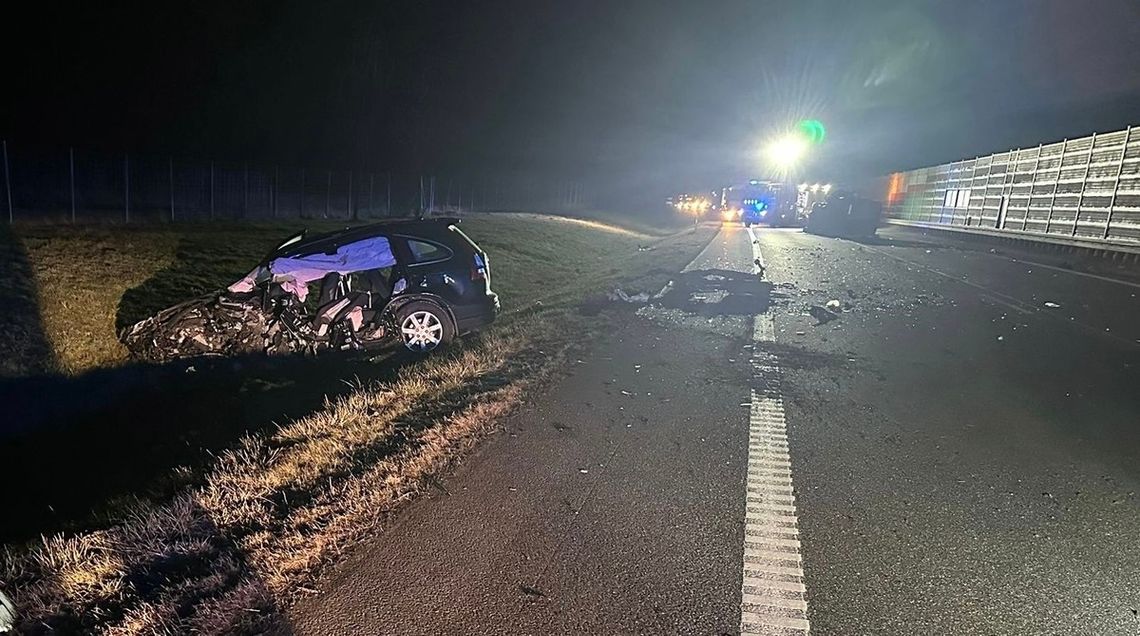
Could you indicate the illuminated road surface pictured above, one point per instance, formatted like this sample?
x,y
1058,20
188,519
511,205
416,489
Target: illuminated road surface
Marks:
x,y
950,455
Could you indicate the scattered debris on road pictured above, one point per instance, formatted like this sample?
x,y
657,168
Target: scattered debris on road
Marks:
x,y
1051,305
822,315
759,268
620,295
833,305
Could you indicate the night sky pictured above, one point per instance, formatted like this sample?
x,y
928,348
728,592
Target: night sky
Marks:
x,y
659,96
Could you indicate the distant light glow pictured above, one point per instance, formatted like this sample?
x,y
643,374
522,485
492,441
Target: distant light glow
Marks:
x,y
813,130
786,151
731,214
895,188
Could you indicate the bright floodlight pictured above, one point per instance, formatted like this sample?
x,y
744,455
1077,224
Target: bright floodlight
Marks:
x,y
786,151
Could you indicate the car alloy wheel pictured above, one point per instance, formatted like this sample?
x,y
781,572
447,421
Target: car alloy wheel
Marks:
x,y
422,331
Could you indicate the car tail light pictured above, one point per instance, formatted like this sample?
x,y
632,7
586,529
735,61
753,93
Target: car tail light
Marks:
x,y
479,268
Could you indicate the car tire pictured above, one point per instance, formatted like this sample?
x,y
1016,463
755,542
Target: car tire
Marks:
x,y
423,326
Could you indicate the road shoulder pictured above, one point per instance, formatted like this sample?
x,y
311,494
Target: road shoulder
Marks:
x,y
612,502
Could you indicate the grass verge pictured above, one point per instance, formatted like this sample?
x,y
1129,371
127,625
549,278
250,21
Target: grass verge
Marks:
x,y
223,554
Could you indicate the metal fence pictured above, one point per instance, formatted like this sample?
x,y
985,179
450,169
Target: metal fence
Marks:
x,y
1085,190
82,186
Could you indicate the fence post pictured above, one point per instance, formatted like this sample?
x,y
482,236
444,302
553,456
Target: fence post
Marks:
x,y
351,213
1006,180
71,171
126,188
275,175
328,195
970,199
172,189
8,182
1116,186
1084,184
301,206
245,191
1032,185
1056,183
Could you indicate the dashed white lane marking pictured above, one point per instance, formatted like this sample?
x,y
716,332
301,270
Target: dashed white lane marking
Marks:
x,y
773,599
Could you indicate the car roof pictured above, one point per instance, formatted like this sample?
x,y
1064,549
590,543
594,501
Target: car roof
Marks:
x,y
328,242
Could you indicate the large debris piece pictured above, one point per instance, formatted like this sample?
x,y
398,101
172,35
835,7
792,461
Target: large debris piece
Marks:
x,y
218,324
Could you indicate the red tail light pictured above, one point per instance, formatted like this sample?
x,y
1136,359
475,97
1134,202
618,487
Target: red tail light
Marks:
x,y
479,268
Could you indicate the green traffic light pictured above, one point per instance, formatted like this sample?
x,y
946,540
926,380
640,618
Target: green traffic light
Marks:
x,y
813,129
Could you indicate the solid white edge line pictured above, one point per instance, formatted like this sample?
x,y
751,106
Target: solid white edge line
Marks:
x,y
1106,279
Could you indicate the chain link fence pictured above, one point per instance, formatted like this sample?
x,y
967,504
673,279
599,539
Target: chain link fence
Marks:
x,y
1084,190
84,186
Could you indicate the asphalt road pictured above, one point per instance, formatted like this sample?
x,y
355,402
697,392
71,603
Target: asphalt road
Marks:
x,y
962,440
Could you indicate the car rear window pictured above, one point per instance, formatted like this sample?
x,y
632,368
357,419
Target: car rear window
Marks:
x,y
425,252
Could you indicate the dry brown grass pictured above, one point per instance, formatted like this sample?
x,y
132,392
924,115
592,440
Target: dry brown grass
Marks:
x,y
277,508
223,556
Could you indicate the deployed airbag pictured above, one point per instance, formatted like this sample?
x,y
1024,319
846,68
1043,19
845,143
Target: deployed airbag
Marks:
x,y
371,253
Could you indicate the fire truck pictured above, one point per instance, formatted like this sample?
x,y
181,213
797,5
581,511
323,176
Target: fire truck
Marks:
x,y
773,203
768,202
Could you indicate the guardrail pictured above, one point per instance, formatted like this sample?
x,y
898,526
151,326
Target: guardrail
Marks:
x,y
1082,191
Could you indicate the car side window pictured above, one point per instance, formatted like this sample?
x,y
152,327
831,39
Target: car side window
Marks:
x,y
425,252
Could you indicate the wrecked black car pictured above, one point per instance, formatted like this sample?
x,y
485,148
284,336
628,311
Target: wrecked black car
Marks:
x,y
845,215
421,281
